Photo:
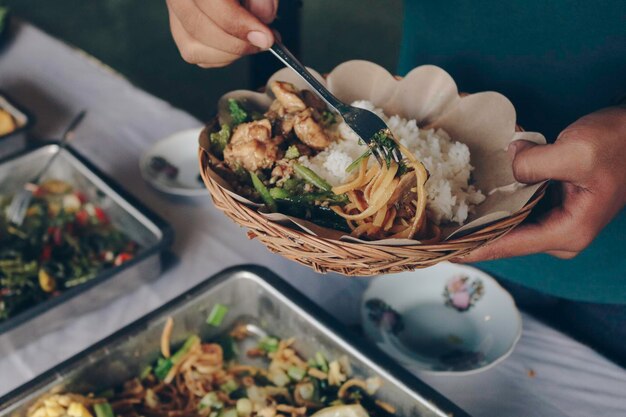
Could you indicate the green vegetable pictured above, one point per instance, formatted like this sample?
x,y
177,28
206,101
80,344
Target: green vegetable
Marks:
x,y
293,185
146,371
229,346
218,312
292,152
210,401
237,113
263,192
220,139
320,215
269,344
357,161
308,175
162,368
384,139
321,361
311,198
296,373
279,193
103,410
180,353
229,386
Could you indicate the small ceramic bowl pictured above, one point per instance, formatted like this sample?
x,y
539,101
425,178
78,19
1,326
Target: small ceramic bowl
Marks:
x,y
448,318
171,165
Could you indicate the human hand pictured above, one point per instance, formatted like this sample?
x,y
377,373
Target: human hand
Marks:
x,y
214,33
589,161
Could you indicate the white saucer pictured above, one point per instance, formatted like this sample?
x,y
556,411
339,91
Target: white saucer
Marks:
x,y
181,151
432,321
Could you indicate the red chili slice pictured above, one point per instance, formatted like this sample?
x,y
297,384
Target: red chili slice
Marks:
x,y
122,257
101,215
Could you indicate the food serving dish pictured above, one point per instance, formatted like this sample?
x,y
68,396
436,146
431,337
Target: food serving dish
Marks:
x,y
271,305
151,234
14,137
170,165
424,109
445,319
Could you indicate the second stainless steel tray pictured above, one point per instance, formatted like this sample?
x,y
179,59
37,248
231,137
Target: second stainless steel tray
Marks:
x,y
125,212
254,295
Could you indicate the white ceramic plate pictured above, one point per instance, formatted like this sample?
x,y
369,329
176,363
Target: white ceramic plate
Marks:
x,y
181,151
448,318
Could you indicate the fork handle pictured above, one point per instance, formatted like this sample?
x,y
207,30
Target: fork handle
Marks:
x,y
67,136
292,62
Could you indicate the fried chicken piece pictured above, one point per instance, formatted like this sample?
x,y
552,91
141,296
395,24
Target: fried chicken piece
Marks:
x,y
288,96
309,131
253,147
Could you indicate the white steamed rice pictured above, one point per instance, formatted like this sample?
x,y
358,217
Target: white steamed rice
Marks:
x,y
450,196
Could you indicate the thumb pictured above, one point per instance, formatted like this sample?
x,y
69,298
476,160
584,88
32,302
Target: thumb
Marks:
x,y
265,10
533,163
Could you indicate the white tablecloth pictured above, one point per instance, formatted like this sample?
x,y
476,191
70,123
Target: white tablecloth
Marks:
x,y
55,81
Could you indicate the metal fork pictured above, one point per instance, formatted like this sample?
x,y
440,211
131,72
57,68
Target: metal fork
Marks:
x,y
20,202
363,122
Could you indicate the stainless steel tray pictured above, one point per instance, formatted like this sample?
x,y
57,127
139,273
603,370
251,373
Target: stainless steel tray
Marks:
x,y
152,233
256,296
16,140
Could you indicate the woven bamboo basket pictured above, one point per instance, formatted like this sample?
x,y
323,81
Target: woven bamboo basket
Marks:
x,y
348,258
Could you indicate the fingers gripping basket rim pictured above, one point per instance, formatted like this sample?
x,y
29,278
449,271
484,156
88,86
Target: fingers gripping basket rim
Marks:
x,y
348,258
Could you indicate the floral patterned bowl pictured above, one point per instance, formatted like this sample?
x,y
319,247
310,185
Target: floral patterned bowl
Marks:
x,y
444,319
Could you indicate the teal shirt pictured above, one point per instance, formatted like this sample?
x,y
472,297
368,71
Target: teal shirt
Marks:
x,y
556,60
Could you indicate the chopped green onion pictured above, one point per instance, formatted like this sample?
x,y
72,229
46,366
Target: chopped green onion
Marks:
x,y
292,152
296,373
263,192
357,161
308,175
180,353
269,344
146,371
210,401
217,314
279,193
162,368
229,386
237,113
321,361
103,410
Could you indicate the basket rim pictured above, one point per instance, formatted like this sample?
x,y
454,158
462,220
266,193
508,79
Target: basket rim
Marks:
x,y
479,234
